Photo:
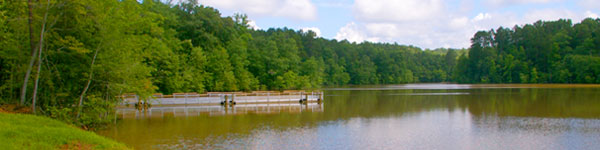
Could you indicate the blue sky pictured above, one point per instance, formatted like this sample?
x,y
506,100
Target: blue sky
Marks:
x,y
424,23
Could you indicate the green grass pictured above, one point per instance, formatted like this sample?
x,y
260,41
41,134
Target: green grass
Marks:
x,y
21,131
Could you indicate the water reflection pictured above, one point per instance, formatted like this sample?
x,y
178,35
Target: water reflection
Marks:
x,y
161,111
536,117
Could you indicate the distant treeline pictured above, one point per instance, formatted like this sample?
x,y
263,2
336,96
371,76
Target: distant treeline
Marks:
x,y
542,52
67,55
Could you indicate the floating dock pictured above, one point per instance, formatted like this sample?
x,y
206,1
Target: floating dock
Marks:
x,y
225,98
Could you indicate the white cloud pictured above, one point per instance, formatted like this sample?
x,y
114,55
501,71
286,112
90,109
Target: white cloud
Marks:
x,y
433,23
383,30
589,14
424,23
396,10
423,35
335,3
353,33
313,29
550,14
253,25
482,16
510,2
590,3
293,9
459,22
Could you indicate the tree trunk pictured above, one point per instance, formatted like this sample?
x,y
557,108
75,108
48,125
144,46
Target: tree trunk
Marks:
x,y
33,54
88,83
40,46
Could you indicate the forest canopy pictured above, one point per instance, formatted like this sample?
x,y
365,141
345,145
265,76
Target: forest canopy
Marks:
x,y
542,52
61,56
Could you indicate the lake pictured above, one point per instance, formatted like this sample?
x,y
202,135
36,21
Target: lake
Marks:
x,y
411,116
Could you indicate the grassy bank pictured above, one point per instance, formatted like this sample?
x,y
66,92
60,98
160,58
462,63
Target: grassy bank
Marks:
x,y
22,131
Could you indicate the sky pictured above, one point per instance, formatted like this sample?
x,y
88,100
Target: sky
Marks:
x,y
424,23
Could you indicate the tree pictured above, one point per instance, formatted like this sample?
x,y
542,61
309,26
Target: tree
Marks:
x,y
39,61
450,60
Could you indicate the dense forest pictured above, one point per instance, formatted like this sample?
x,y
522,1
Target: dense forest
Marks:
x,y
70,59
542,52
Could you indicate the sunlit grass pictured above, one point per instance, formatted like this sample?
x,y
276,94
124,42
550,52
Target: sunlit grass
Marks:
x,y
21,131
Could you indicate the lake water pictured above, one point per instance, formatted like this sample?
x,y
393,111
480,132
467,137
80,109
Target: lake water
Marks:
x,y
413,116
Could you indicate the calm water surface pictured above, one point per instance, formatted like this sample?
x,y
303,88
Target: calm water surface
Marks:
x,y
414,116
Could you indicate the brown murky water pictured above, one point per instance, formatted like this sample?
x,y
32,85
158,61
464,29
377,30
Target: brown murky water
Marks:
x,y
413,116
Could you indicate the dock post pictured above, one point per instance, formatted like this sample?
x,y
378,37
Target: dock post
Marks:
x,y
116,116
306,107
232,99
320,96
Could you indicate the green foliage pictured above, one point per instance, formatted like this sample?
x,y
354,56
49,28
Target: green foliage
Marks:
x,y
96,112
587,68
542,52
62,114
